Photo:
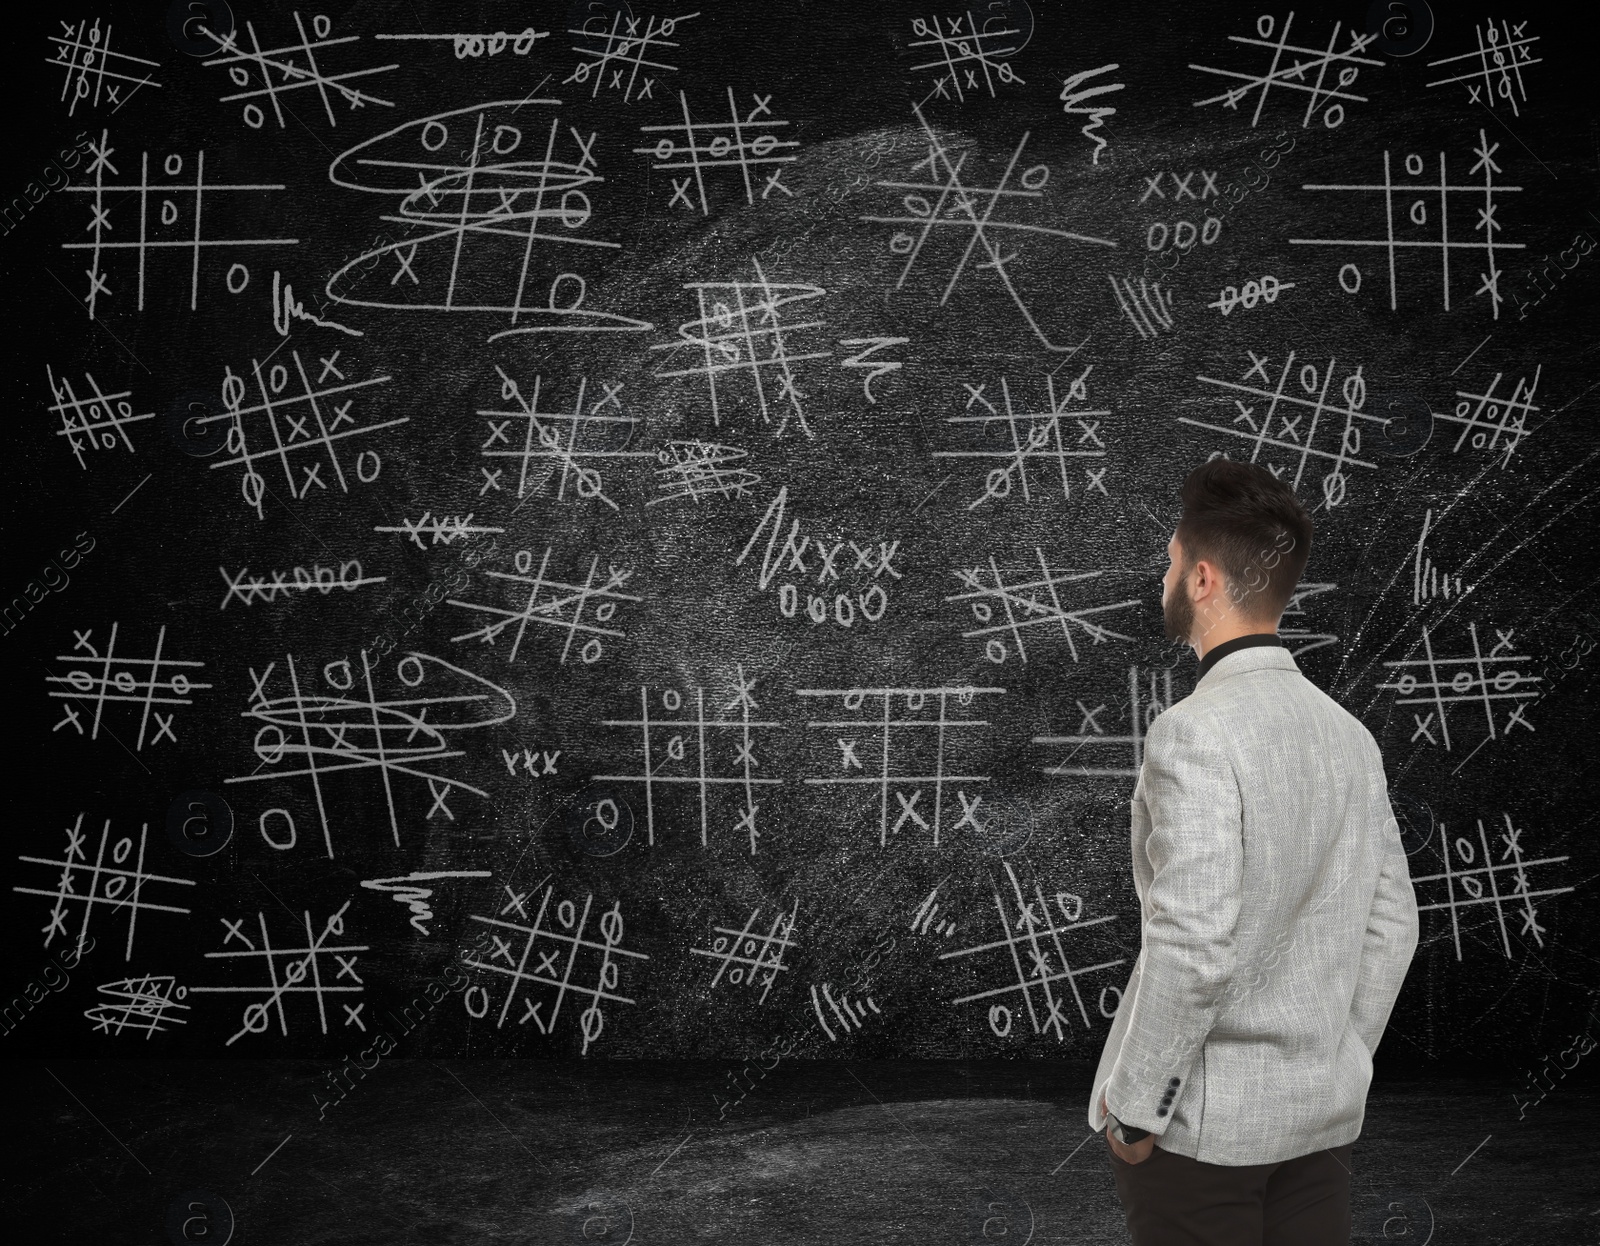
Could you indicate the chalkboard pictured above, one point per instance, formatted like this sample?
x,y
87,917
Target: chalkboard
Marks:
x,y
614,531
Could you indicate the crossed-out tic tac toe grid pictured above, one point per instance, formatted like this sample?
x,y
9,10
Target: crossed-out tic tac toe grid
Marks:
x,y
562,610
1291,76
292,75
324,403
971,211
1502,54
323,734
481,215
743,328
737,143
745,954
624,49
965,53
107,678
1004,609
543,437
1306,413
148,1005
1480,678
1493,421
694,469
304,972
1034,435
84,52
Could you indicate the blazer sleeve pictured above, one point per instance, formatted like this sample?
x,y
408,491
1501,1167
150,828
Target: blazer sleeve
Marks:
x,y
1196,854
1392,926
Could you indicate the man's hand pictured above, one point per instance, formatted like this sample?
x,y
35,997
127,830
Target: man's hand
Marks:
x,y
1135,1154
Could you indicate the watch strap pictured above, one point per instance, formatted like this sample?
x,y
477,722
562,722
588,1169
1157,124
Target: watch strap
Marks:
x,y
1127,1134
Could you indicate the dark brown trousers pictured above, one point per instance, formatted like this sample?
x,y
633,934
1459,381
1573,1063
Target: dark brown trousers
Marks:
x,y
1172,1200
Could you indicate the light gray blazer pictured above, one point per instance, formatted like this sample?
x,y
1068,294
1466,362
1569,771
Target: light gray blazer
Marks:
x,y
1278,921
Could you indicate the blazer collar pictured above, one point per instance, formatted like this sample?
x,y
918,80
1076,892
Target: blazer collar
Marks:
x,y
1255,658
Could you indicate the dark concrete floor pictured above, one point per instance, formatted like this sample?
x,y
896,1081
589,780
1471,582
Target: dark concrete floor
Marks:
x,y
529,1152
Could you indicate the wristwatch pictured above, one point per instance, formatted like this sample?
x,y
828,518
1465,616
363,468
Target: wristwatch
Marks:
x,y
1126,1134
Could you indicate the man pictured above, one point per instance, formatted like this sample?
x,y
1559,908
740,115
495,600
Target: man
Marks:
x,y
1278,915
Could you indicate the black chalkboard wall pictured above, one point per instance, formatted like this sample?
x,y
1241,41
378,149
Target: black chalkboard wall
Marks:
x,y
638,532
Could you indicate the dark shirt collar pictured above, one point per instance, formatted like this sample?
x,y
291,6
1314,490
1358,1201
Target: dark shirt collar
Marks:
x,y
1213,656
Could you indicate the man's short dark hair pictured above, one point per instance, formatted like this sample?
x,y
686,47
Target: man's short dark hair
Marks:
x,y
1247,522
